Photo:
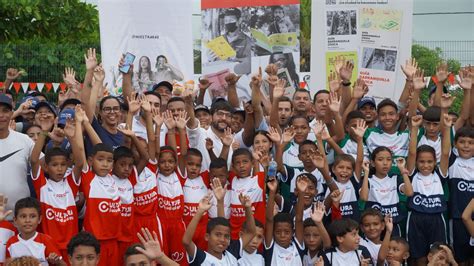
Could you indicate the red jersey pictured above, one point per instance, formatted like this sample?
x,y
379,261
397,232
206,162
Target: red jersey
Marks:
x,y
194,190
253,187
170,196
125,188
39,246
7,230
103,209
144,191
58,206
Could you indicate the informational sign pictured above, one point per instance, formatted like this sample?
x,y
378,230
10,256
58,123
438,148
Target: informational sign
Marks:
x,y
374,35
157,32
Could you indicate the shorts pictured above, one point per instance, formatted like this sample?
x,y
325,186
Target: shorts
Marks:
x,y
109,253
149,222
460,237
173,232
423,230
122,247
199,236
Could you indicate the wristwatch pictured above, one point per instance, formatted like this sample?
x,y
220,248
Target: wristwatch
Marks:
x,y
346,84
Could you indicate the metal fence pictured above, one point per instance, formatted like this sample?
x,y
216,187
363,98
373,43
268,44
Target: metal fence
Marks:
x,y
463,51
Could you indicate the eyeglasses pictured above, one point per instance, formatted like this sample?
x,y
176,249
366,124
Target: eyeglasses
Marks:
x,y
109,110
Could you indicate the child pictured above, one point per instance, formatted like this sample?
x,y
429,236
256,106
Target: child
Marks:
x,y
103,212
218,173
380,190
316,238
349,144
55,186
248,185
148,252
280,246
388,134
345,240
461,167
83,248
372,225
27,217
426,223
440,254
218,236
429,133
397,250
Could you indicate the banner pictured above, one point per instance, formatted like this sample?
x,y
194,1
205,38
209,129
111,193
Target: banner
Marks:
x,y
157,32
239,36
374,35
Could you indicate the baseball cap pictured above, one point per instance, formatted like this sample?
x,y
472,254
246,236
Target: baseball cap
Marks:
x,y
51,107
5,100
34,101
70,101
64,116
164,83
366,100
201,107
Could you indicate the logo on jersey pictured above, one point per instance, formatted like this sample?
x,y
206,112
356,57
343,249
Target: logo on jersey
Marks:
x,y
177,256
427,202
105,206
465,186
60,216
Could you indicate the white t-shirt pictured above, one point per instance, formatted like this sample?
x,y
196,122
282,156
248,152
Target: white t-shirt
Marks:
x,y
15,151
203,258
372,247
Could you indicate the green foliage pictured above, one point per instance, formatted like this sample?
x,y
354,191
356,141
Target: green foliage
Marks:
x,y
53,20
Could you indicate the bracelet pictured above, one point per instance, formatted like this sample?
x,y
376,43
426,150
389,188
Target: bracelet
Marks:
x,y
346,84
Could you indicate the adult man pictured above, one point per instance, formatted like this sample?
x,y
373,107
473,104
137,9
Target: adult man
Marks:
x,y
165,89
14,156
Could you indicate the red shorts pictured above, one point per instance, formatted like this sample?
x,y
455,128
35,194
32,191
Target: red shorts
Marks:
x,y
173,232
65,256
122,247
109,253
149,222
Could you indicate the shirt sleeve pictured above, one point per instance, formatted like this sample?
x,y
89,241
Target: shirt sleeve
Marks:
x,y
235,248
198,257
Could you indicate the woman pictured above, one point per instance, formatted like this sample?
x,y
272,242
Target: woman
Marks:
x,y
143,79
165,71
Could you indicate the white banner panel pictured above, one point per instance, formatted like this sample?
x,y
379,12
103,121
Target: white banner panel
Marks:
x,y
375,34
149,29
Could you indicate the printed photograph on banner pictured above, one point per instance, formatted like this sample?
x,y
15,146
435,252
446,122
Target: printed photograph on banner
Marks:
x,y
242,37
332,59
380,59
381,27
341,29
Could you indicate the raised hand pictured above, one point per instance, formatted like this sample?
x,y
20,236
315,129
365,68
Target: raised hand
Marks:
x,y
232,79
69,76
442,72
274,135
57,135
338,63
209,144
126,130
144,103
217,189
3,212
70,128
228,137
54,259
169,120
419,80
256,81
262,157
245,200
334,102
288,134
360,129
25,107
279,89
272,185
152,248
359,89
204,83
80,115
99,74
447,120
318,212
345,72
133,103
319,127
235,145
410,67
388,223
181,120
416,120
301,184
447,100
157,118
366,166
205,203
467,78
401,164
271,69
336,196
334,82
318,159
272,80
91,59
13,73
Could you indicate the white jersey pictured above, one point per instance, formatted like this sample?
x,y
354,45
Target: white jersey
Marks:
x,y
372,247
290,155
396,142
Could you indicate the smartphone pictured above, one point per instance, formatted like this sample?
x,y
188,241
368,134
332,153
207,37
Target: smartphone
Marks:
x,y
129,58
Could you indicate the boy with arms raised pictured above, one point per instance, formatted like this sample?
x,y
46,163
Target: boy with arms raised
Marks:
x,y
217,236
56,189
